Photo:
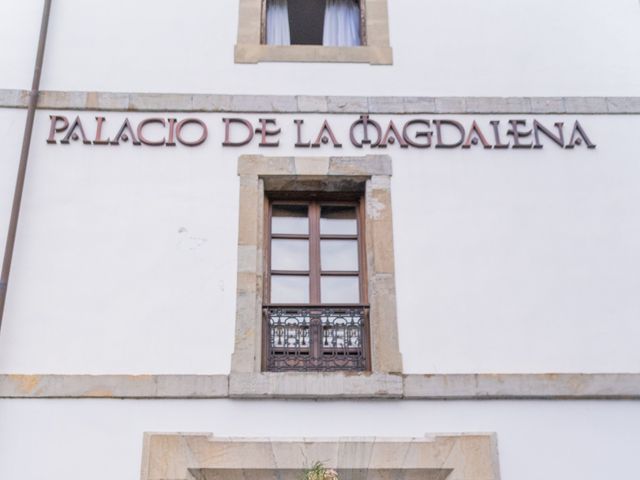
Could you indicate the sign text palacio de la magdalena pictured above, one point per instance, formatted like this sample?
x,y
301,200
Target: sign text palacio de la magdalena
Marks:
x,y
364,131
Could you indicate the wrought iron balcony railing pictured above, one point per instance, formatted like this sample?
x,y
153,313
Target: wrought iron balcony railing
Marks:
x,y
316,338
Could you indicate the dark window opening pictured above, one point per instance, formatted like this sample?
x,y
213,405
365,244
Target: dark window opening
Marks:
x,y
306,21
338,23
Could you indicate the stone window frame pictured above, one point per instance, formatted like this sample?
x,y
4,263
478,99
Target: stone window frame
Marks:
x,y
259,174
180,456
376,49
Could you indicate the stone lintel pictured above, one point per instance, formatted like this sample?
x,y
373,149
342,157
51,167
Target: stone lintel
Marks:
x,y
364,166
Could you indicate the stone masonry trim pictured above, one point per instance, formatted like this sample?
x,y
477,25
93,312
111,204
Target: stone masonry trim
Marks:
x,y
214,103
184,456
538,386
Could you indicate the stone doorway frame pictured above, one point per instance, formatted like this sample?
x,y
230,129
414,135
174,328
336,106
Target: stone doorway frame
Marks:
x,y
206,457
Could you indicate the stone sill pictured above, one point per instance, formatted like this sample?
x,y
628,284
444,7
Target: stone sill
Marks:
x,y
315,385
540,386
248,53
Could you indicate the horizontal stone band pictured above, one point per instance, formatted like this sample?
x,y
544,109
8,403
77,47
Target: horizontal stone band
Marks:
x,y
566,386
163,102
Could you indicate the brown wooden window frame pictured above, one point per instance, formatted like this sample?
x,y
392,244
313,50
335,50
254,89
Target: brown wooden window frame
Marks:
x,y
315,308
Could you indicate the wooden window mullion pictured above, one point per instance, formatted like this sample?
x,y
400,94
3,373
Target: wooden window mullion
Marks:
x,y
362,258
267,250
314,280
314,252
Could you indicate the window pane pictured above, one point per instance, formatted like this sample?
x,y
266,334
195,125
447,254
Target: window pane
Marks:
x,y
289,289
290,255
306,21
338,221
291,219
340,290
339,255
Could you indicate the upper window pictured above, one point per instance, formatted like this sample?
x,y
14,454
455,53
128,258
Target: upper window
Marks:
x,y
353,31
316,316
336,23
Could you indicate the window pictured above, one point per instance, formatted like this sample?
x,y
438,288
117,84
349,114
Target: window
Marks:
x,y
317,317
354,31
349,328
337,23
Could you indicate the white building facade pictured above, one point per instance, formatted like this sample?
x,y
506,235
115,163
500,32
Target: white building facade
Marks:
x,y
490,155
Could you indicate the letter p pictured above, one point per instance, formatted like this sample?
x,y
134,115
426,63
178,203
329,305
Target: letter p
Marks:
x,y
55,119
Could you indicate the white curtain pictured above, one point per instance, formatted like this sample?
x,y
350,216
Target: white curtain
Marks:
x,y
278,23
341,24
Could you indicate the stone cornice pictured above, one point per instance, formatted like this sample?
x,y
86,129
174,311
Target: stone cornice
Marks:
x,y
564,386
211,103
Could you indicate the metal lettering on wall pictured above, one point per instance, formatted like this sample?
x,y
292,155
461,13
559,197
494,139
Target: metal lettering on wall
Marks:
x,y
364,132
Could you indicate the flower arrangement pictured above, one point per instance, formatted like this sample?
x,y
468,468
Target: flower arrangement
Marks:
x,y
319,472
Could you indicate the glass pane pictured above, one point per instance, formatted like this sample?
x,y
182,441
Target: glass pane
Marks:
x,y
291,219
339,255
336,220
290,255
340,290
289,289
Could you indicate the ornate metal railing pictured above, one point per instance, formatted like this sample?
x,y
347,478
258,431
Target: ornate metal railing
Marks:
x,y
320,338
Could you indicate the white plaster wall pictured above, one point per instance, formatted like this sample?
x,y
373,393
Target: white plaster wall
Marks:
x,y
521,261
103,438
507,261
125,261
441,47
11,131
19,31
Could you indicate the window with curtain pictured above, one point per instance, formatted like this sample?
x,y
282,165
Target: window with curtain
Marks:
x,y
335,23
